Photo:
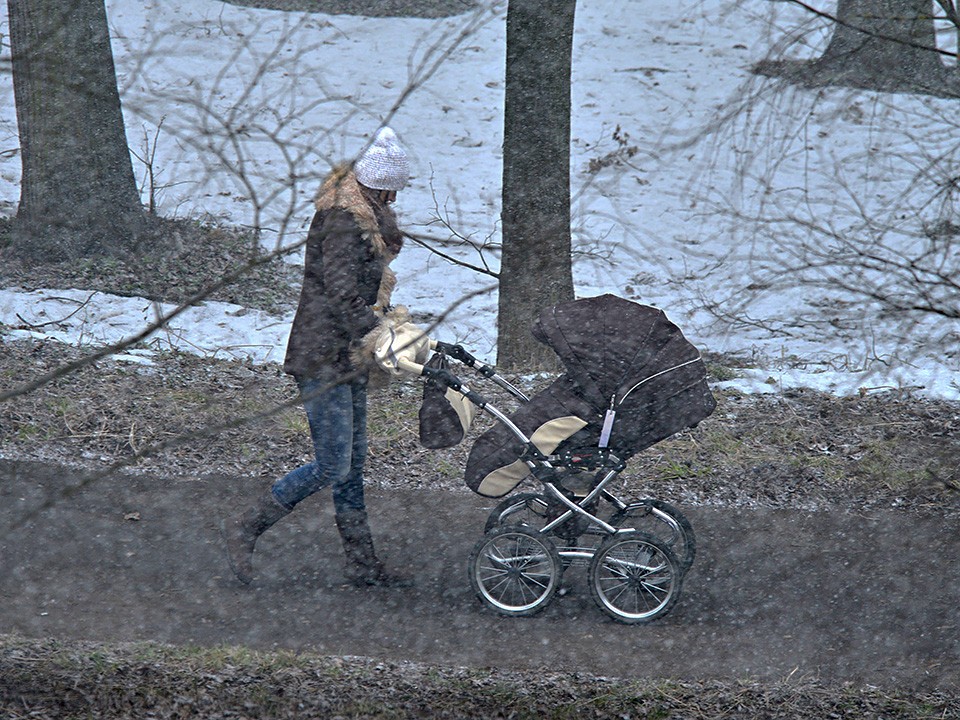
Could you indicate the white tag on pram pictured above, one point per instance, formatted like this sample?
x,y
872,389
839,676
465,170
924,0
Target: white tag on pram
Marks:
x,y
607,427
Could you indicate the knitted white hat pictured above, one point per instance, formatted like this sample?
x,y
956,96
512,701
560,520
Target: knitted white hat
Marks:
x,y
383,165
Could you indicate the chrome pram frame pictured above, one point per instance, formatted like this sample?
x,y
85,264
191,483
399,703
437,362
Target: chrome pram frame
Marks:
x,y
636,558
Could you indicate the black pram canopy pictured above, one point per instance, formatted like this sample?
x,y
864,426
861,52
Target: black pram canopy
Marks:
x,y
626,365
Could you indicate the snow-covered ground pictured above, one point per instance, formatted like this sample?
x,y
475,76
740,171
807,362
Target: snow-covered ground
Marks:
x,y
246,109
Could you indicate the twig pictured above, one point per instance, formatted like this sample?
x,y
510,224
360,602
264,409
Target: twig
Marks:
x,y
450,258
31,326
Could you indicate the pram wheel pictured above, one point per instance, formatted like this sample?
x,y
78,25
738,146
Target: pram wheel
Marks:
x,y
634,577
515,571
663,521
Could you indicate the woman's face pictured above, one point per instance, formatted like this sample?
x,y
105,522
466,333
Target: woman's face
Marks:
x,y
388,196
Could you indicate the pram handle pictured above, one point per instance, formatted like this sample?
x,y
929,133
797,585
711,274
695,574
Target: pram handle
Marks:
x,y
457,352
445,378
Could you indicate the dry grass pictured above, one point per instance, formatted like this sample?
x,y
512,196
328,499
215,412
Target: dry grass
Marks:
x,y
52,679
184,416
807,448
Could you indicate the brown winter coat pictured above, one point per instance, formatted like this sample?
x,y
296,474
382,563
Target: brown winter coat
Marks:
x,y
346,278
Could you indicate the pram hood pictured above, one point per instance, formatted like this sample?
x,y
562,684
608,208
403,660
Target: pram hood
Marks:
x,y
608,345
619,356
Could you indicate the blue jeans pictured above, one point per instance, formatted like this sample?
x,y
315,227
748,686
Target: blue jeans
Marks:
x,y
338,428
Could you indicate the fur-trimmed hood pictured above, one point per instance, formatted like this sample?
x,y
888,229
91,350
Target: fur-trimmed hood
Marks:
x,y
341,191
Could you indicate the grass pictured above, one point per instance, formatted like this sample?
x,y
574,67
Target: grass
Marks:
x,y
57,679
813,445
721,373
393,417
676,469
781,447
881,461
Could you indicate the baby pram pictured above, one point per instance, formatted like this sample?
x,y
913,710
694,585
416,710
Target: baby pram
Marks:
x,y
631,380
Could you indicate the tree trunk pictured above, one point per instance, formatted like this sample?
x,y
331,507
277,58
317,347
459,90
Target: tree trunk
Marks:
x,y
882,45
535,269
78,194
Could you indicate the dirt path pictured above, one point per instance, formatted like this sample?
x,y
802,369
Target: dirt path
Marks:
x,y
838,596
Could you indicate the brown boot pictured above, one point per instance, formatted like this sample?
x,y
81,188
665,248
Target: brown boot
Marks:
x,y
240,534
363,567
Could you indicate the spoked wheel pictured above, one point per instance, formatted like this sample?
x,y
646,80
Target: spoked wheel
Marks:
x,y
515,571
634,577
663,521
524,509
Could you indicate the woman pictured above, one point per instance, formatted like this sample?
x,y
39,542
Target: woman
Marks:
x,y
346,287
